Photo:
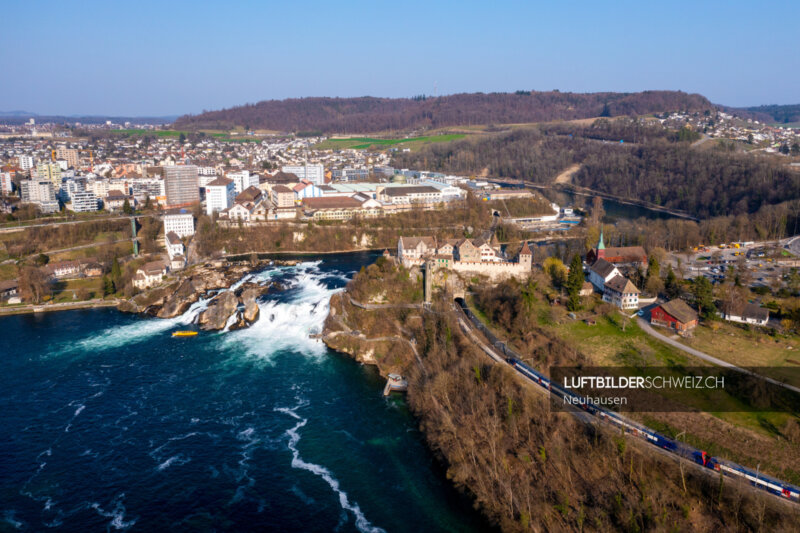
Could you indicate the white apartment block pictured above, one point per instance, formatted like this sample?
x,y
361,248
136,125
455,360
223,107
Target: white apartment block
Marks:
x,y
84,201
40,193
33,191
206,171
100,188
243,180
219,195
182,224
313,173
25,162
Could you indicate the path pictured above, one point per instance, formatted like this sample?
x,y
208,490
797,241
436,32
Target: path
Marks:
x,y
63,306
705,357
371,307
701,141
566,176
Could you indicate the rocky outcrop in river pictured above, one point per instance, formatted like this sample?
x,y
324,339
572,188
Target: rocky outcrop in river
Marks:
x,y
175,298
221,308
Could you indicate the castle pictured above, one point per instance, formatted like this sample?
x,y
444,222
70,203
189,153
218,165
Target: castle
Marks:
x,y
474,256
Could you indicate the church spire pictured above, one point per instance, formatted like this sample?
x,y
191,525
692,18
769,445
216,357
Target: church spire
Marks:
x,y
601,245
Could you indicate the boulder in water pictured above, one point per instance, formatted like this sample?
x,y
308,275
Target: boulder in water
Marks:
x,y
179,301
249,297
219,310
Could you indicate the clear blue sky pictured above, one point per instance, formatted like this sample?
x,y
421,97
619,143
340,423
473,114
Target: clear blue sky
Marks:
x,y
175,57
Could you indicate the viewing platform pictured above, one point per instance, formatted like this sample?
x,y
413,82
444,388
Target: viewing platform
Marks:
x,y
395,383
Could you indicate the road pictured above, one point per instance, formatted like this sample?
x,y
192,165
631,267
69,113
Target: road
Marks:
x,y
487,235
701,141
13,229
64,306
705,357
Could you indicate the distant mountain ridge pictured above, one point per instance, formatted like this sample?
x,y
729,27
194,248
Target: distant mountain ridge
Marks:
x,y
20,117
373,114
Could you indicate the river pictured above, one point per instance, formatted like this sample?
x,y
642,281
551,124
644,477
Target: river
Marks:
x,y
111,424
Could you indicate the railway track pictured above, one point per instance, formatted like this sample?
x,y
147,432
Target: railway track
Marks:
x,y
787,492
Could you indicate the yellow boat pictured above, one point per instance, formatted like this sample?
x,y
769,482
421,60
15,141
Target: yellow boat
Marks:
x,y
184,333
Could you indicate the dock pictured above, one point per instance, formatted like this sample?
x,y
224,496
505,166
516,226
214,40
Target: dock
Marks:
x,y
396,383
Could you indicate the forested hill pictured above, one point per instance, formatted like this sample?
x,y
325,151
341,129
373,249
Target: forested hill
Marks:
x,y
369,114
781,114
658,166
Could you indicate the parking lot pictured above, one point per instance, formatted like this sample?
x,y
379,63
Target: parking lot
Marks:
x,y
764,263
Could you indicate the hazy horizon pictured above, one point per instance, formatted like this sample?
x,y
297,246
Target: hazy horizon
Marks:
x,y
165,59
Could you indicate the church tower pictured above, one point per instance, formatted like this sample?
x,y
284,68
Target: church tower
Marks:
x,y
601,246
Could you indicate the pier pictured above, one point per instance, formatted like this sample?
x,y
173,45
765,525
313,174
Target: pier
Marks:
x,y
396,383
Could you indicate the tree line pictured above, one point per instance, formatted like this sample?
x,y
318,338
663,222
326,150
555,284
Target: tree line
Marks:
x,y
370,114
659,168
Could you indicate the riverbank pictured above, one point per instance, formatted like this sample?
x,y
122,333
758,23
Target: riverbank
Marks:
x,y
525,467
22,309
245,256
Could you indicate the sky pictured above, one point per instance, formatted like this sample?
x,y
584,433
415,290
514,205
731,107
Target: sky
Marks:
x,y
173,57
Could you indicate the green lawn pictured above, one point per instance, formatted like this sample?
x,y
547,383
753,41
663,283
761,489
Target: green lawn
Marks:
x,y
363,143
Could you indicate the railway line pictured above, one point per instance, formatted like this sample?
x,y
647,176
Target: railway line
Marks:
x,y
781,489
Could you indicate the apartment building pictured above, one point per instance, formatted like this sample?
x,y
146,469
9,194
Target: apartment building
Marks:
x,y
181,185
182,224
84,202
70,155
313,173
242,180
219,195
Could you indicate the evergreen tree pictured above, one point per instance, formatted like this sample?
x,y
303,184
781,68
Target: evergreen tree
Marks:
x,y
116,271
704,296
653,283
108,286
574,283
126,207
672,287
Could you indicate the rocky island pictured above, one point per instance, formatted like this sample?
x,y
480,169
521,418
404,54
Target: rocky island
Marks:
x,y
234,308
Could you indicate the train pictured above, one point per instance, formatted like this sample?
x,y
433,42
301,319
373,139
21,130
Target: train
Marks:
x,y
700,457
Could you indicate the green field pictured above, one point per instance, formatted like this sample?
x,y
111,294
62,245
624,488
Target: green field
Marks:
x,y
363,143
164,133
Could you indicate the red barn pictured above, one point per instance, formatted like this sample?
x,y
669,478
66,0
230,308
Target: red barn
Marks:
x,y
675,315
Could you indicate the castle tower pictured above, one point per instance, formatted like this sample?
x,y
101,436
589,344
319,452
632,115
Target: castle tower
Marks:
x,y
428,281
526,257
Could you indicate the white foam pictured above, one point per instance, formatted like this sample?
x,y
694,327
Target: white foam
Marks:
x,y
141,330
362,523
287,325
231,321
281,325
117,514
174,460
